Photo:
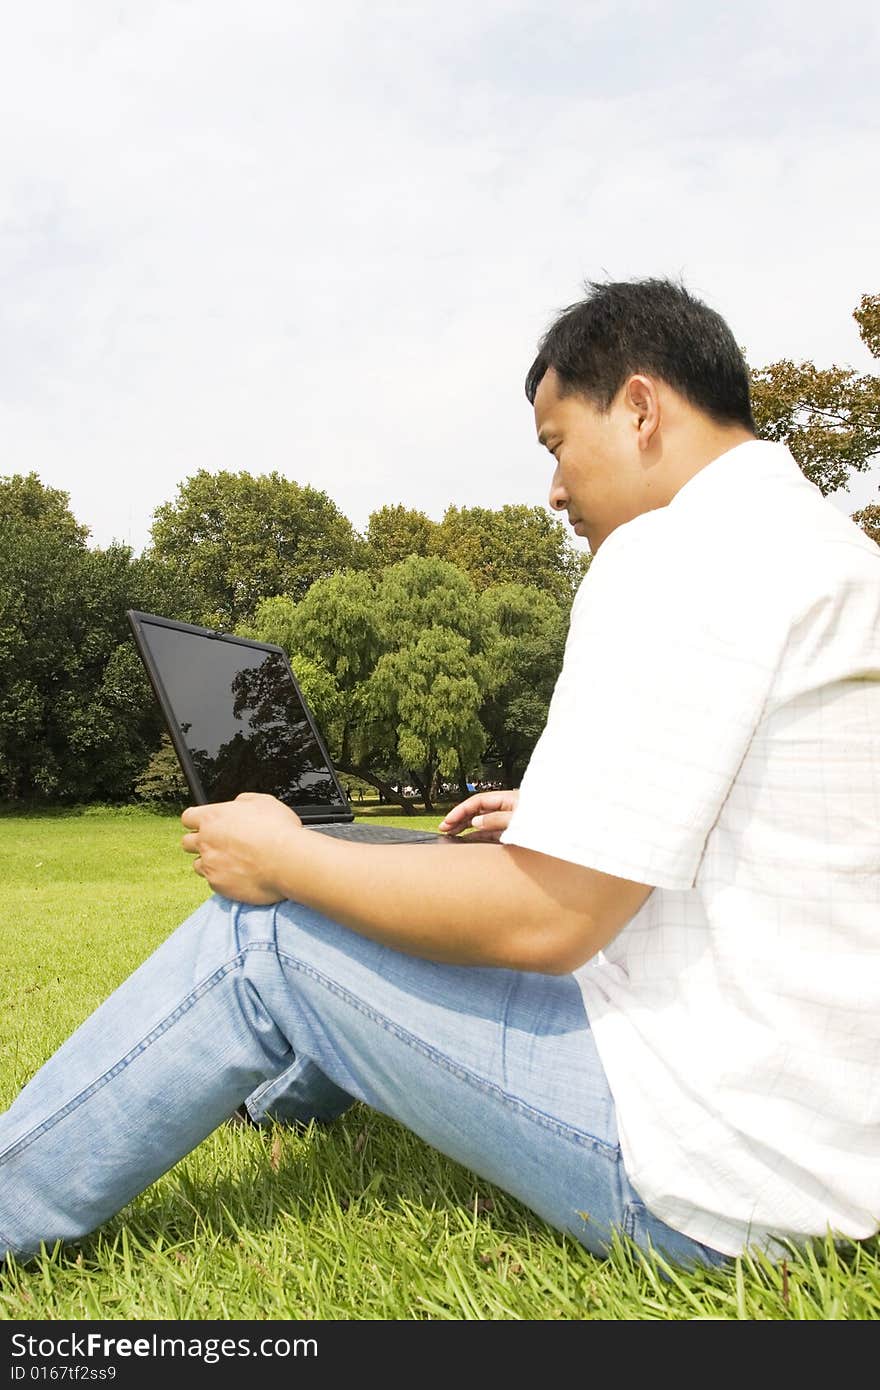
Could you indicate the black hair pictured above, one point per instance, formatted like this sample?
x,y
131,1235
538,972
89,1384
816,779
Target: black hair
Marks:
x,y
652,326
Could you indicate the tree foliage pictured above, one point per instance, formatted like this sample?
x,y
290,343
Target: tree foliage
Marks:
x,y
333,641
162,783
422,701
869,520
513,545
76,719
232,539
828,416
406,657
867,316
510,545
395,532
25,500
527,654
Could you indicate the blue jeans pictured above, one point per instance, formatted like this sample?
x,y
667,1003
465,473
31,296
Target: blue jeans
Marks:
x,y
299,1015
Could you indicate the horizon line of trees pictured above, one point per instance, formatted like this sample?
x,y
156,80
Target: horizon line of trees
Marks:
x,y
418,670
427,649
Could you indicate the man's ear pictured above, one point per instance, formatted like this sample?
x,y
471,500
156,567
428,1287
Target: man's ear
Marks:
x,y
643,400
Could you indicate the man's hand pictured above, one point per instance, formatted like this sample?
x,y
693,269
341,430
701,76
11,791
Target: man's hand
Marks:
x,y
487,812
241,845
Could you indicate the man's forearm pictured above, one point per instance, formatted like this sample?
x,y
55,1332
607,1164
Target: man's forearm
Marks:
x,y
479,904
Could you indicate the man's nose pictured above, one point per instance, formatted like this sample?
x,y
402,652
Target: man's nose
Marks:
x,y
558,494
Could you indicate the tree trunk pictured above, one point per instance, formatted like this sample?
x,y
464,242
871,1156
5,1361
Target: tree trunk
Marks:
x,y
462,780
423,783
384,788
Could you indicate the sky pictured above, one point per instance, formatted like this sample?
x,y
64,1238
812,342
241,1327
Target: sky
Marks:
x,y
325,239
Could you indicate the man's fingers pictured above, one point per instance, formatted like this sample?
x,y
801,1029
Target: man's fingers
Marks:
x,y
462,815
492,820
489,827
195,816
189,843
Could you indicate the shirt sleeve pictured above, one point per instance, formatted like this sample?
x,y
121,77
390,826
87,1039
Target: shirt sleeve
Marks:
x,y
668,662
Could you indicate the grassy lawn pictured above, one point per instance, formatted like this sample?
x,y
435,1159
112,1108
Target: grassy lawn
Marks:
x,y
358,1221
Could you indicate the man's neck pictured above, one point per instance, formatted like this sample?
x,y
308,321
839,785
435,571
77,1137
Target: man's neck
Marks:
x,y
698,447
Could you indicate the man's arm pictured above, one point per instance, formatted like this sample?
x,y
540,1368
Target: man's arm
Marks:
x,y
484,904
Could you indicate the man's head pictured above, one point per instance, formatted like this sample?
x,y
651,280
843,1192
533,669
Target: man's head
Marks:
x,y
635,388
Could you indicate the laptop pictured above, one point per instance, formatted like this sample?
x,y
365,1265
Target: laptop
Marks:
x,y
240,723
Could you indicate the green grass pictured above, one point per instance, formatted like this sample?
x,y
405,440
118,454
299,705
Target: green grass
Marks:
x,y
357,1221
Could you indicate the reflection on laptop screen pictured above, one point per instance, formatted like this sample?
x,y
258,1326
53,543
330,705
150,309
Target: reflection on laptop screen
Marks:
x,y
241,718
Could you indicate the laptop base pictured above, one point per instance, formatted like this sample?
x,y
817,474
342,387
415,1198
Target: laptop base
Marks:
x,y
378,834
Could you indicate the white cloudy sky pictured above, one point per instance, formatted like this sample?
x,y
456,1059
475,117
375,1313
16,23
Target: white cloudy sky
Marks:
x,y
324,239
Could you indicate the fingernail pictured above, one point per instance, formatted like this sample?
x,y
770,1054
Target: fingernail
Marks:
x,y
477,822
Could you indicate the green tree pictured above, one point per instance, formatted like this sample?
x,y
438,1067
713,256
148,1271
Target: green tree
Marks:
x,y
232,539
527,655
332,638
396,531
162,783
77,722
25,499
514,545
828,416
407,664
422,702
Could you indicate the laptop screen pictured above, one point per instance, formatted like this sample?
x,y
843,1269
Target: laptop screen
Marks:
x,y
239,715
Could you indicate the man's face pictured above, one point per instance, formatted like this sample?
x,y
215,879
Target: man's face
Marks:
x,y
598,478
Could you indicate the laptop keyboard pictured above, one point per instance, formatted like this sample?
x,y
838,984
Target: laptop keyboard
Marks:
x,y
375,834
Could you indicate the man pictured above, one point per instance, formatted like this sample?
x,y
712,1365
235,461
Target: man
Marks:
x,y
648,1001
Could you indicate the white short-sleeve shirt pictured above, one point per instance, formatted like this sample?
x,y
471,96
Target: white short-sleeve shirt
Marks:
x,y
715,732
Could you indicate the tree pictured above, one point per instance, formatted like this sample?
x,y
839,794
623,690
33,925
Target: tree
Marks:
x,y
395,532
514,545
407,659
332,639
829,417
233,539
77,721
527,655
867,316
162,783
25,499
869,520
422,702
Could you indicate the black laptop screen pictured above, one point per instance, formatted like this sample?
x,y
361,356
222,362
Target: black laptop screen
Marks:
x,y
241,718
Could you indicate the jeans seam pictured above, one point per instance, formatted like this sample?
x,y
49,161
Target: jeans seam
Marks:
x,y
587,1141
152,1036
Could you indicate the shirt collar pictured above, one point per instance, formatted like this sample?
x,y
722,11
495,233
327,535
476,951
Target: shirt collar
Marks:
x,y
755,455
